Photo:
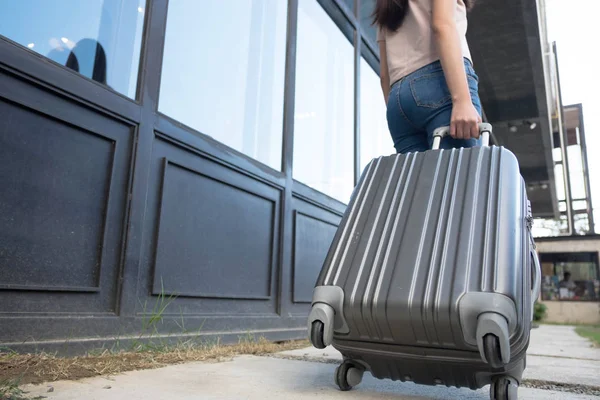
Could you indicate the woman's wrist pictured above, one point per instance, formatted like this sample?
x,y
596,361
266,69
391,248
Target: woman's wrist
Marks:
x,y
461,99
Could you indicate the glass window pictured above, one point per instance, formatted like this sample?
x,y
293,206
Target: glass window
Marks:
x,y
375,139
350,5
562,206
560,182
557,154
100,39
544,227
576,172
223,72
366,22
570,276
324,116
581,224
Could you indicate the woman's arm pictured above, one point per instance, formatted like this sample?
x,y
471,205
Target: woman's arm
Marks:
x,y
465,118
384,75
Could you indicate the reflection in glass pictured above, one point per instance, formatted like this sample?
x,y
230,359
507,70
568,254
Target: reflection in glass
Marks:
x,y
375,139
366,22
324,126
223,72
350,4
100,39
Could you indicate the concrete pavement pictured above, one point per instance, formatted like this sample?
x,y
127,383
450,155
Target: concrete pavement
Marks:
x,y
249,377
561,341
556,353
302,374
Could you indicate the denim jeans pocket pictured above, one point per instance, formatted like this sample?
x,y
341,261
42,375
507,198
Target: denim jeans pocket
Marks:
x,y
431,90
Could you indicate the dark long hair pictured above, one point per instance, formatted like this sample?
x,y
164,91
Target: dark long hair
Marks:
x,y
390,13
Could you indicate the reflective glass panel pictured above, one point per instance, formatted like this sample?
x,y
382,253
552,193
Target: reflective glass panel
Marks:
x,y
324,116
223,72
100,39
375,139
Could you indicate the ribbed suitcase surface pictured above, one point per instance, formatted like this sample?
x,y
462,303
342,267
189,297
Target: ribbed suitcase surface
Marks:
x,y
421,231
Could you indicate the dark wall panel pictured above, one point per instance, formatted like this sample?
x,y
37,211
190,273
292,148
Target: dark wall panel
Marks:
x,y
64,176
312,238
314,228
55,179
214,240
212,235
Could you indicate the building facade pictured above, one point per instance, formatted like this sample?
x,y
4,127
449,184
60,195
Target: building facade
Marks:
x,y
194,158
570,158
568,246
570,278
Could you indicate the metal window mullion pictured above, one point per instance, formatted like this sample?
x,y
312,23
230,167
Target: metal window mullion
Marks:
x,y
148,87
357,56
563,146
586,176
287,163
289,94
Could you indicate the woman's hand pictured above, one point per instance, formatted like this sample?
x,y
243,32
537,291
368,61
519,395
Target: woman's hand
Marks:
x,y
465,120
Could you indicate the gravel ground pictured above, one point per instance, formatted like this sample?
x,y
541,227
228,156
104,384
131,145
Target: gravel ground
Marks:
x,y
562,387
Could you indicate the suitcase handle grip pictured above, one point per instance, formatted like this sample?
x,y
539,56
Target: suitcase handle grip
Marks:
x,y
485,130
537,277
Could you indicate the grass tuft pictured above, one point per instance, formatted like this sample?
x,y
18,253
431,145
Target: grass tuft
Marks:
x,y
590,332
10,390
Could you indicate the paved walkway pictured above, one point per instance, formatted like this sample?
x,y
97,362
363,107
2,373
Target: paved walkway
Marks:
x,y
556,353
302,374
561,341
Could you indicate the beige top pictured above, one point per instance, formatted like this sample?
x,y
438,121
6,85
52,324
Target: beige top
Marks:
x,y
413,46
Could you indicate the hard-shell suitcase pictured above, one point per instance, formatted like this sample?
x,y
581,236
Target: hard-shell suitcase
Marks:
x,y
432,274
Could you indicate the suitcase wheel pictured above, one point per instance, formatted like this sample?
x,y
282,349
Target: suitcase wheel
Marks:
x,y
504,388
491,348
320,325
317,334
493,339
347,376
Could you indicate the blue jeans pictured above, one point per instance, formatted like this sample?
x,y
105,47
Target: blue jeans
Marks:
x,y
421,102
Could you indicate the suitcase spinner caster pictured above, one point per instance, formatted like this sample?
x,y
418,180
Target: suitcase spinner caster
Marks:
x,y
504,388
491,350
321,325
326,315
347,376
317,334
493,339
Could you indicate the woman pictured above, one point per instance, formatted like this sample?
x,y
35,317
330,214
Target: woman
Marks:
x,y
427,75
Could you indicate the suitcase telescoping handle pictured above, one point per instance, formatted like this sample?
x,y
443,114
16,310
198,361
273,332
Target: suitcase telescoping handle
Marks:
x,y
485,130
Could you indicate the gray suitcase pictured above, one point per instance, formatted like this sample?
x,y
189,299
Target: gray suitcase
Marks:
x,y
432,274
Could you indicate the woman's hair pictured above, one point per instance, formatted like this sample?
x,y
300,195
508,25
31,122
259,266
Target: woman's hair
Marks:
x,y
390,13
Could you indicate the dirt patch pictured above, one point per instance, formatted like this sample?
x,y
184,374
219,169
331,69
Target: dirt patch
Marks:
x,y
39,368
